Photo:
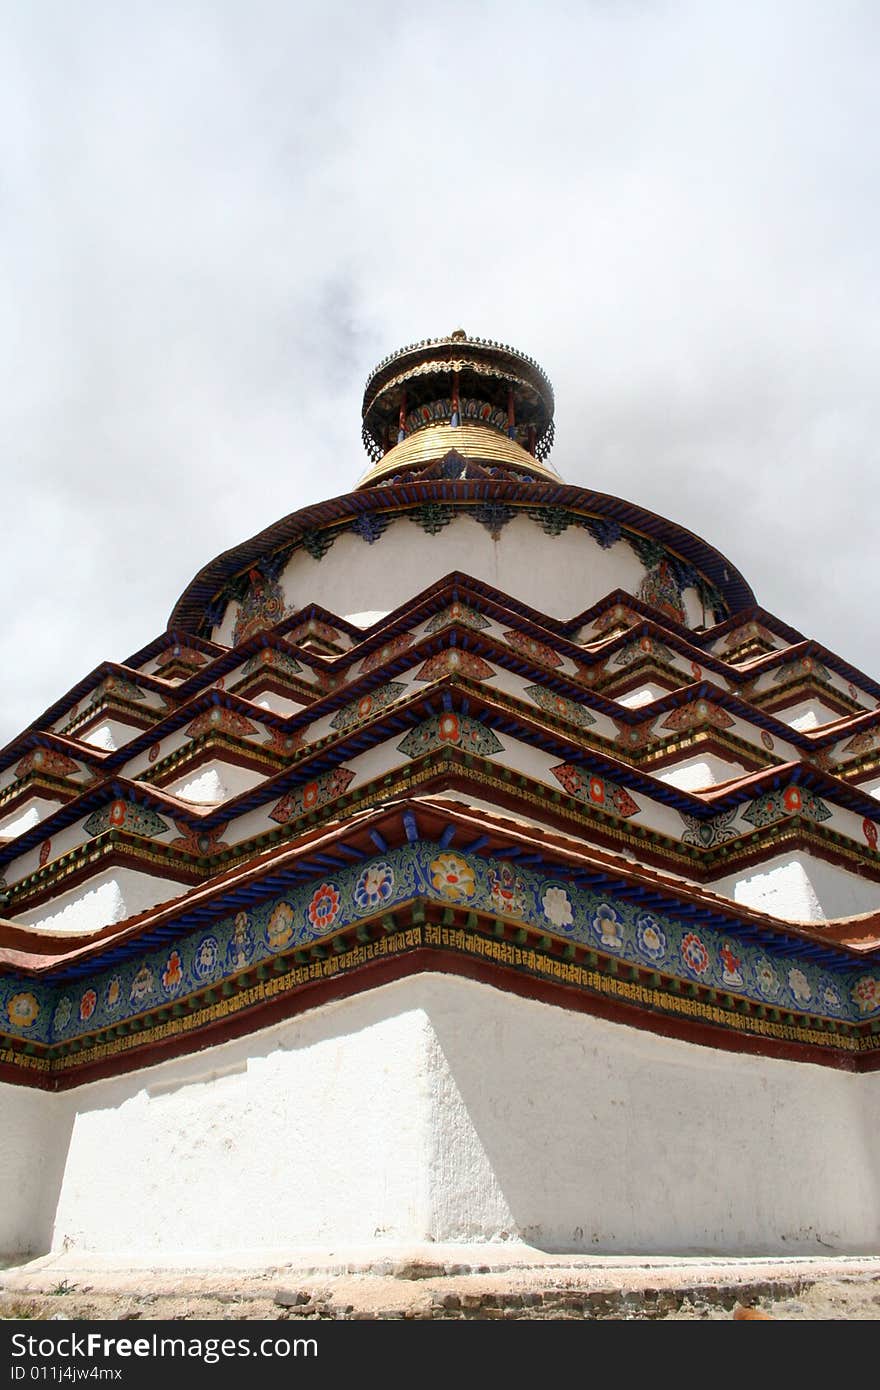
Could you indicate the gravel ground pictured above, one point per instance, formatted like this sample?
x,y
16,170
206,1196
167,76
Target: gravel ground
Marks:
x,y
548,1287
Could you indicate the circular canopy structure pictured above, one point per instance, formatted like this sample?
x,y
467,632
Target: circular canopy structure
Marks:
x,y
454,382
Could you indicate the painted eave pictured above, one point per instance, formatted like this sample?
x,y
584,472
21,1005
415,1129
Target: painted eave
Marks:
x,y
188,612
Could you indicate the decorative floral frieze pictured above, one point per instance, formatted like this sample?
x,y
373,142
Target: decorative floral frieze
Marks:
x,y
560,706
696,714
709,831
280,741
220,720
800,667
617,616
180,655
311,796
458,613
494,516
201,843
642,648
529,646
368,705
865,994
432,516
792,801
392,648
553,520
271,659
369,526
317,543
661,589
125,815
119,687
605,532
452,877
313,627
450,730
261,606
864,742
22,1010
594,790
541,901
748,632
48,761
635,737
454,661
328,680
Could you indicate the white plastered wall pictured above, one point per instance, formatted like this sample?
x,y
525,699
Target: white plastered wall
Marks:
x,y
33,1146
807,715
441,1109
109,734
275,703
801,888
107,897
24,817
300,1135
607,1138
645,695
214,781
704,770
557,575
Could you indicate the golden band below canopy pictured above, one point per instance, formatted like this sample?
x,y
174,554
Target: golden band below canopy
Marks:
x,y
470,440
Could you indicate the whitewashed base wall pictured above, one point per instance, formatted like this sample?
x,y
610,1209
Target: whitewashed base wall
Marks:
x,y
440,1109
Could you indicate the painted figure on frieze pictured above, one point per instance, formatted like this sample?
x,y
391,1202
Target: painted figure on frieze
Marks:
x,y
241,944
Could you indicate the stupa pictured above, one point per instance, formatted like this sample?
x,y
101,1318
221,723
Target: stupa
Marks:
x,y
471,860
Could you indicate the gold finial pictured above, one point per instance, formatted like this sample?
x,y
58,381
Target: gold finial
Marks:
x,y
458,335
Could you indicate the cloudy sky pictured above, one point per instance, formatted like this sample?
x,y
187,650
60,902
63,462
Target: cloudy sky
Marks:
x,y
216,217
